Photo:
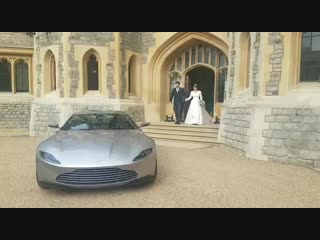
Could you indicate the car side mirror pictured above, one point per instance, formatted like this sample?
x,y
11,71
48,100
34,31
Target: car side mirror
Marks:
x,y
54,126
144,124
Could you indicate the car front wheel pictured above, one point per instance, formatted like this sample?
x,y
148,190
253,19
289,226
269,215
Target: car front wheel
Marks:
x,y
41,185
155,174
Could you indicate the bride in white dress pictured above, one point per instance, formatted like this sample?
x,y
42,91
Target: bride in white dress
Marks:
x,y
197,114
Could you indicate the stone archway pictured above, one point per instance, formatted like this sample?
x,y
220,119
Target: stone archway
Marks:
x,y
161,64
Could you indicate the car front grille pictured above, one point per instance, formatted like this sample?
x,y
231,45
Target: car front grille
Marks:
x,y
96,176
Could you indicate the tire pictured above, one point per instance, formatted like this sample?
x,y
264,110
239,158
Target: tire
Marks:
x,y
155,175
41,185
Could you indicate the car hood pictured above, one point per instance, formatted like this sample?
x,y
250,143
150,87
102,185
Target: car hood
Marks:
x,y
96,148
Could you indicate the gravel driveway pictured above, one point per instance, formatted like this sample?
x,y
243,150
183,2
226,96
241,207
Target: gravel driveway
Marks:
x,y
212,177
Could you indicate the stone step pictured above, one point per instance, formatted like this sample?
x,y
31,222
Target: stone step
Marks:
x,y
181,133
169,124
182,144
182,128
193,139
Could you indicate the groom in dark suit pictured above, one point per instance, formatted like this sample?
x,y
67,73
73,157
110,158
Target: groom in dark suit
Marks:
x,y
178,96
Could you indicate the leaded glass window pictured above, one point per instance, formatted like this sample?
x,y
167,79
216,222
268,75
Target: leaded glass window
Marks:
x,y
179,67
187,59
22,76
310,57
53,71
193,56
213,56
5,76
222,60
93,73
207,54
200,54
173,67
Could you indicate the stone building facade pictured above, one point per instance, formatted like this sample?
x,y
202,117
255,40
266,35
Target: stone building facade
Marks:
x,y
263,87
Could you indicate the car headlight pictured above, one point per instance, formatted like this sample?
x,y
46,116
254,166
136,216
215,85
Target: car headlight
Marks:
x,y
49,158
143,154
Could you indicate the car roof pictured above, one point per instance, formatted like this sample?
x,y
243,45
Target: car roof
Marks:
x,y
98,112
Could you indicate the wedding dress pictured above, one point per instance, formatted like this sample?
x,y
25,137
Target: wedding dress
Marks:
x,y
197,115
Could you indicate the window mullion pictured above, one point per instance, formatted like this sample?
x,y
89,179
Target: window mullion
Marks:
x,y
13,78
30,76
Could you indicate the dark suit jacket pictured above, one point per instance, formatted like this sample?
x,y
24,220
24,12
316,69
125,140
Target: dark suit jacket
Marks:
x,y
179,97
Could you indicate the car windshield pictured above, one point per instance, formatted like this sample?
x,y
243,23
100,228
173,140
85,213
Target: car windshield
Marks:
x,y
100,122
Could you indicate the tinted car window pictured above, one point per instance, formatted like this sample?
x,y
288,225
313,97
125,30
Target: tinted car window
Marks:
x,y
100,122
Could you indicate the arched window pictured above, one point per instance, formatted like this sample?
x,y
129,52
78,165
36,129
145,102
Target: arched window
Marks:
x,y
245,60
22,76
5,76
221,85
200,54
206,56
213,56
53,73
91,72
132,76
222,60
310,57
50,80
179,67
187,59
173,67
193,56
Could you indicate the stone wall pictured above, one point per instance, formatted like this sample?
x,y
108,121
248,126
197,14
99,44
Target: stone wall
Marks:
x,y
137,112
44,40
231,69
137,42
276,58
57,111
15,115
111,74
102,39
256,64
293,136
130,41
287,133
235,126
148,41
16,39
42,116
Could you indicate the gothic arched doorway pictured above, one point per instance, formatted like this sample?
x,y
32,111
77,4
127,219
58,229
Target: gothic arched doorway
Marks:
x,y
171,61
201,64
205,79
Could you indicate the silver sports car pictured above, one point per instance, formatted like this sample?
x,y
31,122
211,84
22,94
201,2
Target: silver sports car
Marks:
x,y
96,150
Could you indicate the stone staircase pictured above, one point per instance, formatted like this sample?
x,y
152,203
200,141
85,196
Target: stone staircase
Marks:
x,y
183,135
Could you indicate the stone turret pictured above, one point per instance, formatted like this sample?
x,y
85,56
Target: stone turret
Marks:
x,y
80,71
